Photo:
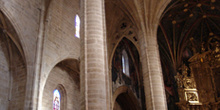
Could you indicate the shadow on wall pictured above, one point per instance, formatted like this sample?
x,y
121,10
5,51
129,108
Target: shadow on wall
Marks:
x,y
65,78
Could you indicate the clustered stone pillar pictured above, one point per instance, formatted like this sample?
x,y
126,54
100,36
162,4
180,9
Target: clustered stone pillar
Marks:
x,y
93,82
152,73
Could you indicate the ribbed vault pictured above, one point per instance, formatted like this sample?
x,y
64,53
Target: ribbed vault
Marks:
x,y
184,27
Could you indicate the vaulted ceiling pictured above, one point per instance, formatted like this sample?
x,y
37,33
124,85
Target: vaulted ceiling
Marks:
x,y
185,27
8,31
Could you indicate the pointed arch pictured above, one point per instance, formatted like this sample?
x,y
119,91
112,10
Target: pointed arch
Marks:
x,y
13,69
125,70
127,50
125,98
65,78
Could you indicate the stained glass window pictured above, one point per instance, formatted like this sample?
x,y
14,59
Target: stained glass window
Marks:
x,y
77,26
125,63
56,100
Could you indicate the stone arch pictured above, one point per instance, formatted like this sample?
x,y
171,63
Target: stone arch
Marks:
x,y
134,81
14,28
115,47
13,70
122,34
123,39
55,47
8,27
125,98
64,77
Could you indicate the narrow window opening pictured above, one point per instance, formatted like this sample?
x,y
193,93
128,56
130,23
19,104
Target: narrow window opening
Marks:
x,y
125,63
77,26
56,100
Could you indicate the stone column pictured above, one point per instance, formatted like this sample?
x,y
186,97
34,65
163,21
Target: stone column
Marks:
x,y
152,73
92,76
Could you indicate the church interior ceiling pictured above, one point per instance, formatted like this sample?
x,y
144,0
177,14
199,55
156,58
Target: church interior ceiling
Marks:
x,y
186,28
7,30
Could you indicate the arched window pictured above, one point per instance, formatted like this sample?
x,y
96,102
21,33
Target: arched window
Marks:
x,y
56,100
125,63
77,26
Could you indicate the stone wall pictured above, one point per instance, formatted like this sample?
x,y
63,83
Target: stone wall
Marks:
x,y
24,16
4,73
59,76
59,40
19,78
13,76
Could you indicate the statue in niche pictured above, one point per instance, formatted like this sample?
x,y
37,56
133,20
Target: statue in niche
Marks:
x,y
179,80
188,82
217,51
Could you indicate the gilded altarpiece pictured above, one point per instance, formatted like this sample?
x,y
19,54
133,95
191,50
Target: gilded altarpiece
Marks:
x,y
204,69
200,67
